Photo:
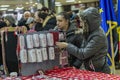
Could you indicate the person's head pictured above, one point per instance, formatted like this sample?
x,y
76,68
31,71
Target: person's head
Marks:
x,y
42,16
26,15
9,20
90,19
45,10
63,20
70,13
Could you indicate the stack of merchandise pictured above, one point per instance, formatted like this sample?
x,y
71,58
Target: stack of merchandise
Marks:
x,y
69,73
39,49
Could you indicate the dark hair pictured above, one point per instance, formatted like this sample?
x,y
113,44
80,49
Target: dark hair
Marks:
x,y
44,9
15,13
65,15
42,15
2,24
11,20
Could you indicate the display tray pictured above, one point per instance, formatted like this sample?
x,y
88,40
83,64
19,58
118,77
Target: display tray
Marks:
x,y
69,73
38,51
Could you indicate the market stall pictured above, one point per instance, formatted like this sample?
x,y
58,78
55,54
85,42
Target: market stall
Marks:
x,y
32,51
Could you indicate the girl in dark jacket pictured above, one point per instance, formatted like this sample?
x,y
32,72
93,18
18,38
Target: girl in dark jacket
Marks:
x,y
73,35
94,46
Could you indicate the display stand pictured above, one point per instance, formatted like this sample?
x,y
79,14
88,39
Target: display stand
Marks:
x,y
9,43
31,52
37,51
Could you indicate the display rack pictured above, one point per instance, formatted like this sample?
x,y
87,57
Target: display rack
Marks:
x,y
49,56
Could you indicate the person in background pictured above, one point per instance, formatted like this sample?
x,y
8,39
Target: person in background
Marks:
x,y
48,18
44,10
31,24
23,20
2,26
73,33
10,44
10,21
38,25
93,50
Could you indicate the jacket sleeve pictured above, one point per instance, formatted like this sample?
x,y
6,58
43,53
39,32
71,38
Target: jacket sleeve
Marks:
x,y
94,45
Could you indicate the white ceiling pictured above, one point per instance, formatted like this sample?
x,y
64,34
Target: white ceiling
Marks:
x,y
22,3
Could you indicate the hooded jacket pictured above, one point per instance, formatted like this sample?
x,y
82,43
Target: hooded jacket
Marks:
x,y
94,47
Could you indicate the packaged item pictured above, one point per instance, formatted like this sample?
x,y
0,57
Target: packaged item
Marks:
x,y
44,54
13,74
36,40
39,55
63,57
51,53
61,37
55,36
29,41
31,55
23,56
43,42
50,39
22,42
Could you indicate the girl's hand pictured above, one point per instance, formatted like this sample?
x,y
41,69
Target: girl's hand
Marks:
x,y
61,45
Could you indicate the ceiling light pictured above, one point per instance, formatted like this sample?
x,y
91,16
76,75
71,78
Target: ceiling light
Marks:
x,y
3,9
10,9
4,5
31,2
19,8
79,1
70,0
27,3
33,5
36,3
58,4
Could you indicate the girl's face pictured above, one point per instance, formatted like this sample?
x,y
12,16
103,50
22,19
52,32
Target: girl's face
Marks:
x,y
62,23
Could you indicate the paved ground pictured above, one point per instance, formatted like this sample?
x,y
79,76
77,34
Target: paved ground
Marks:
x,y
117,71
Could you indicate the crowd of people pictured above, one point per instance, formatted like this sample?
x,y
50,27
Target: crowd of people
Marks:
x,y
86,42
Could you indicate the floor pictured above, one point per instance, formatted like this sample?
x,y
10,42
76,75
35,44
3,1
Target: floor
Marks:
x,y
117,71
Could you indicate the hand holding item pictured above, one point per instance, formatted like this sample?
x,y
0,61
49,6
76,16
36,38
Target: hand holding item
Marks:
x,y
61,45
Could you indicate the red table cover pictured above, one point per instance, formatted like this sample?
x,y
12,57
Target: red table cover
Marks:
x,y
70,73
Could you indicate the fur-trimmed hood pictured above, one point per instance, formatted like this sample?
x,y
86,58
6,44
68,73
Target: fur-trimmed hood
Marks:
x,y
92,18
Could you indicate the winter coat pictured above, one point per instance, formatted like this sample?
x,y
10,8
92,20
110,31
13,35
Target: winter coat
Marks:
x,y
49,23
38,27
75,37
94,46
